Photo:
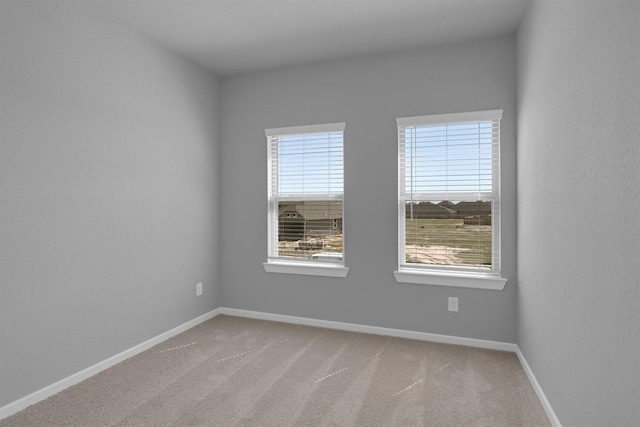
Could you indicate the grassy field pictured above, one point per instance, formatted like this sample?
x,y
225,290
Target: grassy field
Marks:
x,y
448,241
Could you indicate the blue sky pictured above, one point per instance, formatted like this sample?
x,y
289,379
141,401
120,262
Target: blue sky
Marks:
x,y
448,158
311,163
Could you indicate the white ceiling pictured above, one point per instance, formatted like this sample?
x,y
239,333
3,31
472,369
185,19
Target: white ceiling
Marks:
x,y
239,36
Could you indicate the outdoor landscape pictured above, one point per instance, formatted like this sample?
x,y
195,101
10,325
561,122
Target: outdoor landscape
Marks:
x,y
313,245
446,233
448,242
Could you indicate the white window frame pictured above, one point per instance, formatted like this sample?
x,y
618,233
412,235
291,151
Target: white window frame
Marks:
x,y
442,275
275,264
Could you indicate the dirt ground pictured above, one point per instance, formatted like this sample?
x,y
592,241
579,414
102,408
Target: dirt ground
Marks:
x,y
331,244
443,255
435,254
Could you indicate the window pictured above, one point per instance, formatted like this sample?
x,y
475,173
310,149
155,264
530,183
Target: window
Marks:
x,y
449,199
306,200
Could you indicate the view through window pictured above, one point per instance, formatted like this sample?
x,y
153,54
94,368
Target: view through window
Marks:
x,y
449,191
306,193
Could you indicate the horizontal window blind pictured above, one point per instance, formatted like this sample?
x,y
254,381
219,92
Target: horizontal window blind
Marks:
x,y
449,191
305,186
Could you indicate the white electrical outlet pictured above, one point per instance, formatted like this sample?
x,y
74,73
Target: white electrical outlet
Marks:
x,y
198,289
453,303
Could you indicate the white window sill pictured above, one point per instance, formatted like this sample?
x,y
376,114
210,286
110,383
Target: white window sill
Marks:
x,y
459,280
307,269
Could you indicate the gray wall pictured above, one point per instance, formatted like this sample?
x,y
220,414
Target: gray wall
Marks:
x,y
112,192
368,94
109,189
578,207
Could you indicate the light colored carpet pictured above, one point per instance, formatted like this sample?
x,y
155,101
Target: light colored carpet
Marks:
x,y
232,371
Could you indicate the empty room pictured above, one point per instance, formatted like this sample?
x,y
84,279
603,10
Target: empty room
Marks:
x,y
320,213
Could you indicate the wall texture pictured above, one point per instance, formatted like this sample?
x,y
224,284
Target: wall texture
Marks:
x,y
368,94
578,207
109,189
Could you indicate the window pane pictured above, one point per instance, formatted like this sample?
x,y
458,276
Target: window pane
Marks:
x,y
310,230
310,164
448,233
448,158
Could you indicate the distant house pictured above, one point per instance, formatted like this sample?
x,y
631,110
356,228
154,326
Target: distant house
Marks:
x,y
473,213
299,220
428,210
290,225
473,208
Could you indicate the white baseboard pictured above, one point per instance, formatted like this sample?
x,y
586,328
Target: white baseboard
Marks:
x,y
376,330
64,383
553,419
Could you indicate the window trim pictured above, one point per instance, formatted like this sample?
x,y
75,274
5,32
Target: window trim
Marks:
x,y
293,266
306,268
449,278
441,275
